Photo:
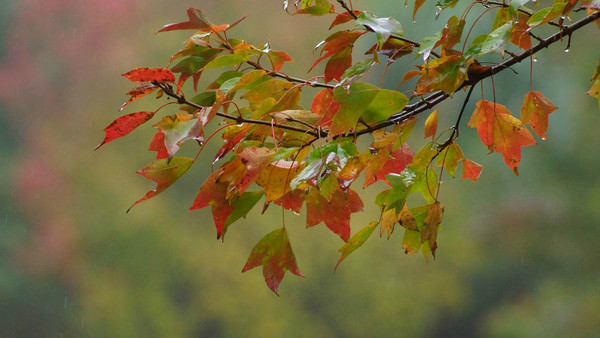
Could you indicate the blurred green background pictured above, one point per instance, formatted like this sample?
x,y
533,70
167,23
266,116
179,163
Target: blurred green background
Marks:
x,y
518,256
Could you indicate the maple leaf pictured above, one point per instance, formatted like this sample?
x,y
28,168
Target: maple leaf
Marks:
x,y
274,253
124,125
337,42
213,193
335,214
337,65
278,58
501,132
356,241
292,200
343,18
197,20
449,158
163,173
431,225
595,91
385,161
179,128
447,74
352,105
158,144
470,170
139,91
535,110
275,178
324,105
431,124
160,75
383,27
520,33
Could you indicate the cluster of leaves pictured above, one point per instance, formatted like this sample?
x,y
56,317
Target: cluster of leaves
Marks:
x,y
292,155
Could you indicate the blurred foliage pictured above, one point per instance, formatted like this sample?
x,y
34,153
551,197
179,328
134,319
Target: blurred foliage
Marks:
x,y
518,256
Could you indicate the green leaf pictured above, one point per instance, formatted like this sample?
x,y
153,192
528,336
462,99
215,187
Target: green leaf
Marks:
x,y
352,105
496,40
428,44
241,55
385,103
475,46
204,99
242,205
356,241
383,27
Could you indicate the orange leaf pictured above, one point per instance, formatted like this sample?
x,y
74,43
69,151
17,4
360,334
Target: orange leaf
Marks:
x,y
501,132
470,170
520,33
197,20
343,18
431,124
430,229
164,173
386,162
335,214
535,110
124,125
139,91
274,253
150,75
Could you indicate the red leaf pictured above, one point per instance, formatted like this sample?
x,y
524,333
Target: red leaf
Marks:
x,y
384,163
535,110
278,58
520,33
139,91
470,170
197,20
150,75
337,65
293,200
213,193
343,18
501,132
124,125
274,253
337,42
163,173
324,105
335,214
158,144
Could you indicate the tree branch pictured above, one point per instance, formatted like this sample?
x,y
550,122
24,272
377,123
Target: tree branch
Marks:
x,y
239,119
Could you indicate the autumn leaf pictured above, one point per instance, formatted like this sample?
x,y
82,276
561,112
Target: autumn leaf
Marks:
x,y
292,200
275,178
501,132
595,91
418,4
337,65
197,20
124,125
431,124
335,214
163,173
384,104
213,193
535,110
274,253
241,206
431,225
449,158
343,18
385,162
470,170
337,42
158,144
356,241
139,91
278,58
179,128
160,75
320,7
520,33
324,105
447,74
